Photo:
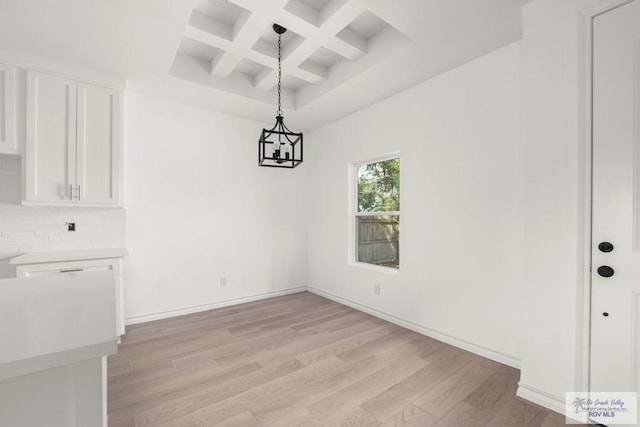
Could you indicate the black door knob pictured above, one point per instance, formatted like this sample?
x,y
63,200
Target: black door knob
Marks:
x,y
605,247
605,271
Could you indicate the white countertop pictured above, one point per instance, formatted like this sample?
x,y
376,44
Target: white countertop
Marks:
x,y
60,256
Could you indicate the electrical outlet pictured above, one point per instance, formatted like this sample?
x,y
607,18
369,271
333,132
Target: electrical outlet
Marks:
x,y
223,281
71,226
376,288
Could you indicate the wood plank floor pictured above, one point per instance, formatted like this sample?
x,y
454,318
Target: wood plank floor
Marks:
x,y
302,360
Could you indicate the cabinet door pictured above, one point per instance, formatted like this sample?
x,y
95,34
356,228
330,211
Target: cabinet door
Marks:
x,y
98,152
51,138
7,110
80,267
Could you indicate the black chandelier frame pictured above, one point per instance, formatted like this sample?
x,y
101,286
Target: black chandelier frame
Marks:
x,y
279,147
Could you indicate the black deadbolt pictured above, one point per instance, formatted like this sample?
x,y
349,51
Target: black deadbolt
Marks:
x,y
605,247
605,271
605,314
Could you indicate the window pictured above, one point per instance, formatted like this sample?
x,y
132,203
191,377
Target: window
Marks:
x,y
377,213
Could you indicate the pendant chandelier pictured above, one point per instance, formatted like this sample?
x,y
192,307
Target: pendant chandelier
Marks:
x,y
279,147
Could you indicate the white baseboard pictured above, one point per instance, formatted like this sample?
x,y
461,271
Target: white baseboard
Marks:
x,y
210,306
541,398
465,345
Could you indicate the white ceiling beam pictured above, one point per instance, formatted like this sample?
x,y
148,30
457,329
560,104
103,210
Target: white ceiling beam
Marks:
x,y
291,67
247,31
258,56
269,77
335,16
238,42
346,49
315,38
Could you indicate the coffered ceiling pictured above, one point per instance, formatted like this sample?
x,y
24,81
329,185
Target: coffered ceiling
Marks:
x,y
338,55
230,45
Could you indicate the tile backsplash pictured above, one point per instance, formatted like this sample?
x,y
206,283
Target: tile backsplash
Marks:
x,y
9,179
44,228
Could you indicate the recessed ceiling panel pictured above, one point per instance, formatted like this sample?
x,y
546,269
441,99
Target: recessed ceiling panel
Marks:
x,y
293,83
222,11
367,25
250,68
316,4
198,50
326,57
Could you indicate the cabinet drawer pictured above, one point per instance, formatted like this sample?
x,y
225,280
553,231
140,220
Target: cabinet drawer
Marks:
x,y
38,270
67,271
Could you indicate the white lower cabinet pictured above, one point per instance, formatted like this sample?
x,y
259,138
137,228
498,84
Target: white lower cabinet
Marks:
x,y
57,330
80,267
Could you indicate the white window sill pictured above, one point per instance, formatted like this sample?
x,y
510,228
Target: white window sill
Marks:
x,y
377,268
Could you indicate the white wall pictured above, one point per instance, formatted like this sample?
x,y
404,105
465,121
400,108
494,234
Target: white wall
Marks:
x,y
459,138
198,208
556,222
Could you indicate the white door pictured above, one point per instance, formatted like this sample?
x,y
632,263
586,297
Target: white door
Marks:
x,y
615,271
51,138
98,145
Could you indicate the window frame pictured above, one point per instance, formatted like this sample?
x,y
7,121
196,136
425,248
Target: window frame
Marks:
x,y
354,214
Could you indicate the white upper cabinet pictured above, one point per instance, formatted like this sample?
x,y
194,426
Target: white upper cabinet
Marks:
x,y
98,151
8,142
72,154
51,138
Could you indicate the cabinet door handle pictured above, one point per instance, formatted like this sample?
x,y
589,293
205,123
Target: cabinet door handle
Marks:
x,y
79,193
72,270
71,191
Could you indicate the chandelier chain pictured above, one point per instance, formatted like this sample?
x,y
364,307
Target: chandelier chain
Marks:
x,y
279,72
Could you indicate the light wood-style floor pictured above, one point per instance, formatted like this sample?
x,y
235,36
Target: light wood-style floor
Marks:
x,y
302,360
